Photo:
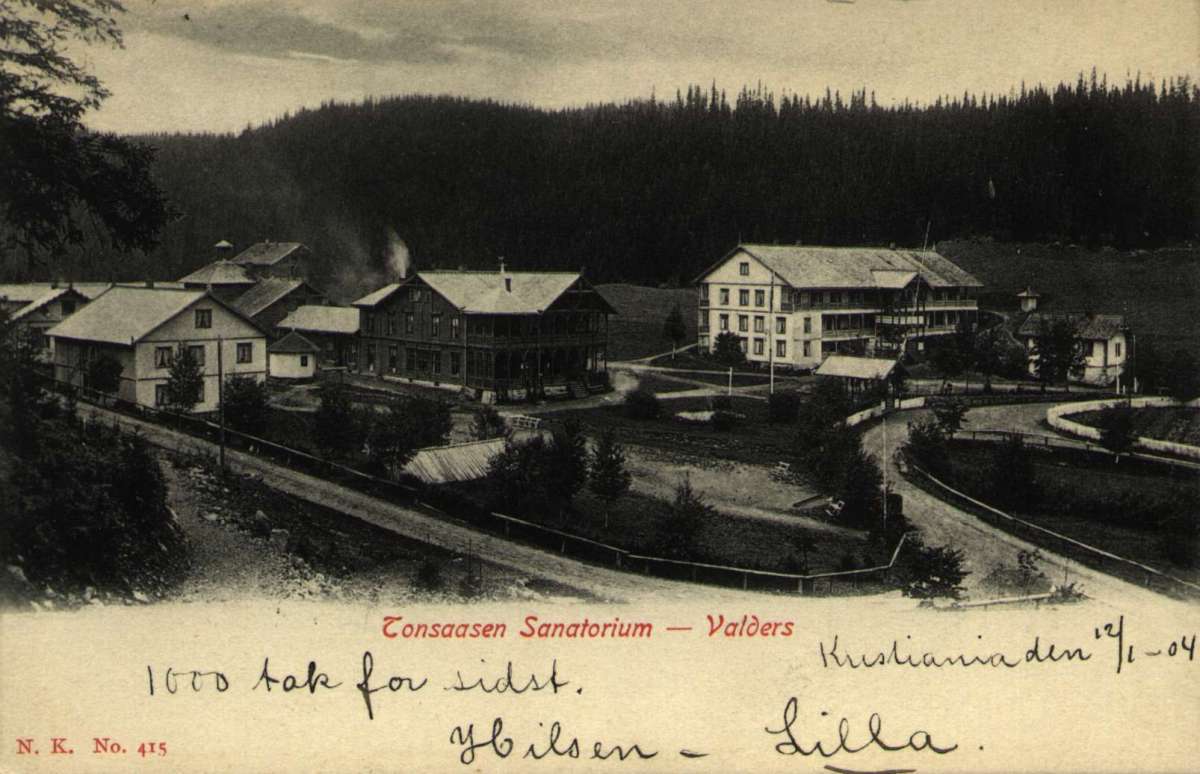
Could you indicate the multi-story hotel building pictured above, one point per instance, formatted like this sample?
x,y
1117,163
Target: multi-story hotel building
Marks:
x,y
795,305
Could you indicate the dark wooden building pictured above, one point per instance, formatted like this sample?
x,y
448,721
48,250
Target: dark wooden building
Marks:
x,y
502,336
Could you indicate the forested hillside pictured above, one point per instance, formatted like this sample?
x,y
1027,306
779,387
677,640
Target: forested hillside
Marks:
x,y
652,191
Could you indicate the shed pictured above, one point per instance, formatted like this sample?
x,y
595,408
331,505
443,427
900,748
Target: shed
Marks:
x,y
858,373
292,357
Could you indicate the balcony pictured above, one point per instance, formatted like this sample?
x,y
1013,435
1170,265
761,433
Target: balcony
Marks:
x,y
848,333
900,319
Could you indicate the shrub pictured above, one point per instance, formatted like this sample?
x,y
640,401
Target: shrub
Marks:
x,y
489,424
245,401
931,572
104,374
429,575
783,407
727,349
724,421
677,533
642,404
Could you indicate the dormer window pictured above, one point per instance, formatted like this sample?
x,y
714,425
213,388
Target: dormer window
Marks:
x,y
203,318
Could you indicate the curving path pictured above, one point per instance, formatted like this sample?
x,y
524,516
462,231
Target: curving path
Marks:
x,y
982,544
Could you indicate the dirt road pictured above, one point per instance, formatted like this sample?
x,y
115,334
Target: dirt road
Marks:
x,y
604,584
983,545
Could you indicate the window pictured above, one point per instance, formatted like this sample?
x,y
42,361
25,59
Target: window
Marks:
x,y
808,349
410,359
743,297
245,352
760,298
371,358
781,349
760,324
803,298
391,324
808,325
160,395
200,392
742,343
455,324
68,307
162,357
304,361
203,318
369,321
744,268
724,296
704,292
704,343
758,346
781,325
415,295
410,321
436,329
1098,349
723,324
743,323
437,362
455,363
1118,349
393,359
835,297
197,354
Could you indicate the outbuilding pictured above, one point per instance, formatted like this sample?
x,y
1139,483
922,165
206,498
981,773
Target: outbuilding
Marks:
x,y
292,357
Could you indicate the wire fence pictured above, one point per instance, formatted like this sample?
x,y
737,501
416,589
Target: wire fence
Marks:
x,y
453,506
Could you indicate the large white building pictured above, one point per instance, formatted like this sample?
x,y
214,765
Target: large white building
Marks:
x,y
795,305
145,328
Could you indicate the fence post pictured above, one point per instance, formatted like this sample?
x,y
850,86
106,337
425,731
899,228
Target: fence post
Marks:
x,y
745,580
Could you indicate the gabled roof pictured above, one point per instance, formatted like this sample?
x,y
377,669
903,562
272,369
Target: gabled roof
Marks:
x,y
293,344
220,272
125,315
852,267
376,296
266,292
1096,327
35,297
856,367
266,253
322,319
490,292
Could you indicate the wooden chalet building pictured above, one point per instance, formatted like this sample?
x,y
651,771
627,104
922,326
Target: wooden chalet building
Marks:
x,y
501,336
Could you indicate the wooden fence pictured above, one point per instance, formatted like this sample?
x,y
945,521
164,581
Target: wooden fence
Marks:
x,y
1131,569
447,504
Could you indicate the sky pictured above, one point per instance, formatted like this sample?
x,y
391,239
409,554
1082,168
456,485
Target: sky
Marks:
x,y
220,65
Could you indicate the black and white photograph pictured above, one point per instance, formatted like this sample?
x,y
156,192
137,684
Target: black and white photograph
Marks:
x,y
456,385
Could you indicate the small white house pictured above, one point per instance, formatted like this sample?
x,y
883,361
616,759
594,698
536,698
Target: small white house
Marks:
x,y
293,357
1104,340
145,328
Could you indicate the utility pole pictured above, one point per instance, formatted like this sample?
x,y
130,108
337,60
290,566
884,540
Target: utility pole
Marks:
x,y
771,334
221,397
884,467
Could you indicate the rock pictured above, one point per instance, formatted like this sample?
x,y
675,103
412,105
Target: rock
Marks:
x,y
17,573
211,516
89,593
279,539
141,597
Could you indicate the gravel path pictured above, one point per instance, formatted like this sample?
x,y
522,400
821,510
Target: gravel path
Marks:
x,y
599,582
982,544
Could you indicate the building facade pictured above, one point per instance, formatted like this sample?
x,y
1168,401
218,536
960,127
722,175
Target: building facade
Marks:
x,y
144,329
794,306
36,308
334,329
501,336
1104,339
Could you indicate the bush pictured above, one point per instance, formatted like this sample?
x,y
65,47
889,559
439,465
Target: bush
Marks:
x,y
642,404
783,407
727,349
104,374
724,421
489,424
429,575
245,401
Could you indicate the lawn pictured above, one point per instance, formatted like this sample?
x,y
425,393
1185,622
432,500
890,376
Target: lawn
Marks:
x,y
635,524
1179,424
636,330
754,440
1115,507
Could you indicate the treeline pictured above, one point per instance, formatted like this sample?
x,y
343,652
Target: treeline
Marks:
x,y
654,190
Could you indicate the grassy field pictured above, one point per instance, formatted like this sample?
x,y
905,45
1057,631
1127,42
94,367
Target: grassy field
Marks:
x,y
1179,424
1157,290
636,522
637,329
1118,508
754,440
